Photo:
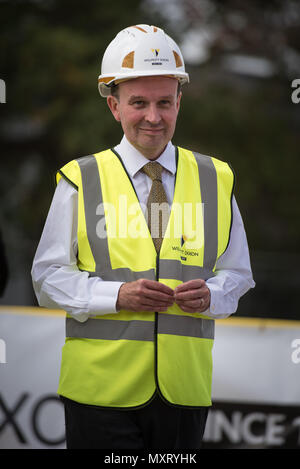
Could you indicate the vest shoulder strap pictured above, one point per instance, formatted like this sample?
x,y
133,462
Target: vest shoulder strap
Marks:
x,y
71,171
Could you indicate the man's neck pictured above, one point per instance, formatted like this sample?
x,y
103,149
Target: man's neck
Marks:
x,y
151,154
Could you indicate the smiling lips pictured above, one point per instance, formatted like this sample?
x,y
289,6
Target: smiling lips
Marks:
x,y
151,130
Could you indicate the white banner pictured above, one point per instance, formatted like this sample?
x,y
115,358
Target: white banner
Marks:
x,y
256,381
257,360
256,385
31,414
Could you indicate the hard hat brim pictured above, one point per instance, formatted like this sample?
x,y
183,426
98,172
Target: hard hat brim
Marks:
x,y
105,82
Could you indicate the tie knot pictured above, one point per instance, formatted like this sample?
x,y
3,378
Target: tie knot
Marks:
x,y
153,170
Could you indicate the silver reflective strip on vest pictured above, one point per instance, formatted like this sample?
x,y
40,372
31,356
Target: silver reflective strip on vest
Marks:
x,y
123,274
92,196
174,269
113,329
209,198
110,329
186,326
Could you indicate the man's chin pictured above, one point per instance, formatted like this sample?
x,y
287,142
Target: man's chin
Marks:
x,y
151,150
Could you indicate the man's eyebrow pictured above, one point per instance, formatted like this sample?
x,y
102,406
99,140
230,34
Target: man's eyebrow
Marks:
x,y
134,98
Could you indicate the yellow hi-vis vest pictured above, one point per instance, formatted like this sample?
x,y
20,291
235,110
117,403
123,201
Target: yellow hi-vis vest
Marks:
x,y
122,360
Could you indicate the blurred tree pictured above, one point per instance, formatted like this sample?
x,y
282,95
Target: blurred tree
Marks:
x,y
262,28
52,51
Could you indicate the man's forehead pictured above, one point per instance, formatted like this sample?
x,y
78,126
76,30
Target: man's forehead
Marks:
x,y
146,86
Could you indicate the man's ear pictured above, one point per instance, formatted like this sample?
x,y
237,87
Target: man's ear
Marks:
x,y
113,105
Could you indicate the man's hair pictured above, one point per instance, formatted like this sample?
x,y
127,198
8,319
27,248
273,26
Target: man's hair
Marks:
x,y
114,90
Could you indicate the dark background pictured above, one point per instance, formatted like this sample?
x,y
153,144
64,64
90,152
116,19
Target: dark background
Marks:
x,y
242,57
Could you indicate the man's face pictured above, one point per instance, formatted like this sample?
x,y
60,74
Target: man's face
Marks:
x,y
147,109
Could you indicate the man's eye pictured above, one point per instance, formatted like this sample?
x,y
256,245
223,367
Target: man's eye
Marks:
x,y
138,103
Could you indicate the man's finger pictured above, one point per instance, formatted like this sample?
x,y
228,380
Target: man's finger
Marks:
x,y
155,302
190,285
189,294
157,286
195,304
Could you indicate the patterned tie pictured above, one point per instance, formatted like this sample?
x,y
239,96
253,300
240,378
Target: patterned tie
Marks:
x,y
157,204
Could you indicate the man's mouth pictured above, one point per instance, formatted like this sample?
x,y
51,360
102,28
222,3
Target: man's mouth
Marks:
x,y
151,130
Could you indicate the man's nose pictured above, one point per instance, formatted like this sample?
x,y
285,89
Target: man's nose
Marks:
x,y
153,115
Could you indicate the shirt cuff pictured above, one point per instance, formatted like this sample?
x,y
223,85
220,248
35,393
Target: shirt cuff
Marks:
x,y
221,305
104,298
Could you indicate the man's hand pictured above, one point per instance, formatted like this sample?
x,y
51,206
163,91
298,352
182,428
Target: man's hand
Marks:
x,y
145,295
192,296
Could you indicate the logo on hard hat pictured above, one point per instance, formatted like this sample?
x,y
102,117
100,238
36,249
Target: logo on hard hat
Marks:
x,y
156,60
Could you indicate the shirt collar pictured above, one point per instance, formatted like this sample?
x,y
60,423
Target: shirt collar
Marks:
x,y
134,160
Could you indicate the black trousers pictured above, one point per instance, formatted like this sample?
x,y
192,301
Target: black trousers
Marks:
x,y
155,426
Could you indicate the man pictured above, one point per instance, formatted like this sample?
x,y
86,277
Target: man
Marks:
x,y
143,247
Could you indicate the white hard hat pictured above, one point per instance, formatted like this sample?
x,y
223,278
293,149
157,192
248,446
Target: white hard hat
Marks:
x,y
140,51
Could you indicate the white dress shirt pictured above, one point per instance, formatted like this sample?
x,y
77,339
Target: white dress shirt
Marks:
x,y
58,283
